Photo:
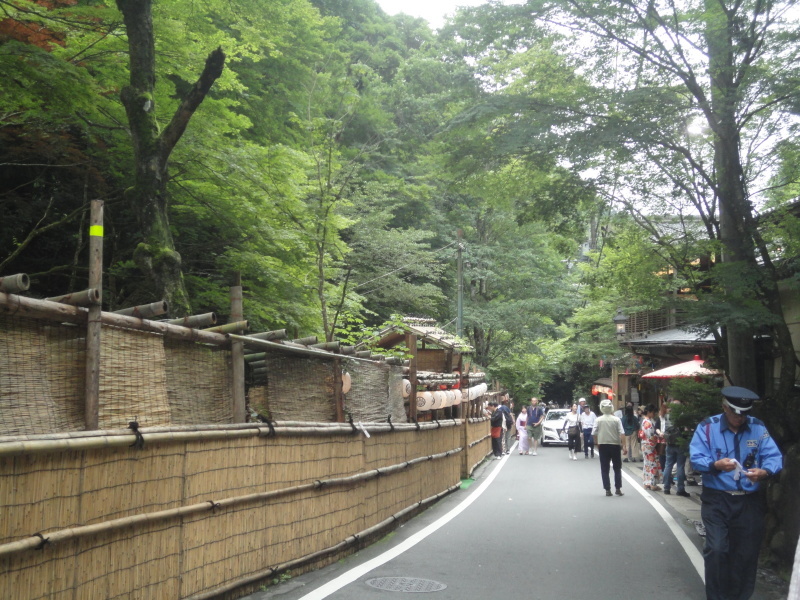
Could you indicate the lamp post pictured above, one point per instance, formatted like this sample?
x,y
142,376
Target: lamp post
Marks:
x,y
620,322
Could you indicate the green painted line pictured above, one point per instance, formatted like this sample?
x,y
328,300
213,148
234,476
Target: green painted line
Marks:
x,y
465,483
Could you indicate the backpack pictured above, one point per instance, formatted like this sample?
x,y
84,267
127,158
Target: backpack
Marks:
x,y
509,419
671,435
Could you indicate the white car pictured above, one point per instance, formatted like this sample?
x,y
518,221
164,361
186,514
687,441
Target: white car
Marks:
x,y
552,426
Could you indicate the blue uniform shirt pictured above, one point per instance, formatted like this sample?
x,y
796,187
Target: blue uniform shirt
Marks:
x,y
713,440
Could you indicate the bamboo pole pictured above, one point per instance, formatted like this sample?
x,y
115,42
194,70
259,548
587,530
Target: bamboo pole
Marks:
x,y
279,334
13,284
93,323
44,309
203,320
233,327
256,364
363,354
145,311
164,328
332,346
88,297
255,357
92,440
306,341
237,354
338,394
292,349
347,349
41,309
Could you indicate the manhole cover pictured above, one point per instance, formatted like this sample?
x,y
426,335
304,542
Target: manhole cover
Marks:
x,y
406,584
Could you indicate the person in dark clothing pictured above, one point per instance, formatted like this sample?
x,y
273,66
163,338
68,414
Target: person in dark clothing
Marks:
x,y
630,424
496,422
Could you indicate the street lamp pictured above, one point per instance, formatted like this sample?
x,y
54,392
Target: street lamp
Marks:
x,y
620,321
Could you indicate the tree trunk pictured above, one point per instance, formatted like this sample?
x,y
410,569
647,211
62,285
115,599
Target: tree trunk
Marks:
x,y
734,208
155,255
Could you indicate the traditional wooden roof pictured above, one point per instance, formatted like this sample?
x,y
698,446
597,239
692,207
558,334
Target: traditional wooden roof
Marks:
x,y
426,330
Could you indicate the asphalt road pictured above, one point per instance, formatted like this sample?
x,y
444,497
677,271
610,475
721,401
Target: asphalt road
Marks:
x,y
532,527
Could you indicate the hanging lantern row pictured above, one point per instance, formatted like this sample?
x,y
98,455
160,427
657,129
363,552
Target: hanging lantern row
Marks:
x,y
444,398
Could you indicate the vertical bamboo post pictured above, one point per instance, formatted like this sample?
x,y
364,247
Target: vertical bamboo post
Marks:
x,y
237,353
93,325
411,344
338,396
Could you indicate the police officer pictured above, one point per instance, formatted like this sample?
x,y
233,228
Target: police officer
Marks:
x,y
735,454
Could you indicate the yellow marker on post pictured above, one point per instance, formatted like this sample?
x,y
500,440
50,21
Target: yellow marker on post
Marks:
x,y
96,230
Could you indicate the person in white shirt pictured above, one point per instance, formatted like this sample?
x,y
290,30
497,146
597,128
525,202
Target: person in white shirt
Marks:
x,y
609,436
587,420
573,428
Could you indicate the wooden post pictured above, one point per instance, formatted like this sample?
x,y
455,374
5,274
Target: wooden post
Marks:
x,y
93,324
338,396
237,353
411,344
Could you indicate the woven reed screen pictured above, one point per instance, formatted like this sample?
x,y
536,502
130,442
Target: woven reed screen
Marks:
x,y
376,391
143,376
302,389
181,556
297,388
41,376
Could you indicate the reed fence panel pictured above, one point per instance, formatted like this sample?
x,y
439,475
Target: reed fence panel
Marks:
x,y
175,519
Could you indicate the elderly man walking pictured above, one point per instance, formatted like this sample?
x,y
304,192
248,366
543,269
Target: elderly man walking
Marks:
x,y
609,437
736,454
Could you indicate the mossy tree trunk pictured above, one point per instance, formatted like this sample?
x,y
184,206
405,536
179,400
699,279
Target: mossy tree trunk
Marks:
x,y
156,255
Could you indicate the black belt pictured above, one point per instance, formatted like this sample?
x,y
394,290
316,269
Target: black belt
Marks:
x,y
732,492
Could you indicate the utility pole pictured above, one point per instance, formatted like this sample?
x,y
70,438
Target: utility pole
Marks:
x,y
460,301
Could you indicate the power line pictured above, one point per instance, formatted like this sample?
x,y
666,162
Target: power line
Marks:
x,y
403,266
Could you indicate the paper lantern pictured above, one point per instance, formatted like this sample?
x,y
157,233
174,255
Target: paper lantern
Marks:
x,y
406,388
346,382
456,397
448,398
438,399
424,401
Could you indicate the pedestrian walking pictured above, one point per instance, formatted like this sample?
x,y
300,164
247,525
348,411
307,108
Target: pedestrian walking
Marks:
x,y
630,423
676,456
651,474
496,423
587,419
522,432
581,405
736,455
534,425
508,424
573,428
609,437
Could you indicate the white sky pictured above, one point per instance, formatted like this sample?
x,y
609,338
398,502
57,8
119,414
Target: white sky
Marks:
x,y
433,11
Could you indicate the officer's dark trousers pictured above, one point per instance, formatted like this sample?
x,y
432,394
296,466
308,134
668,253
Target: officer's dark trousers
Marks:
x,y
610,454
734,531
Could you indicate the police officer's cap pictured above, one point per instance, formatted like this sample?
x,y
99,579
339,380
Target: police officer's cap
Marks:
x,y
739,399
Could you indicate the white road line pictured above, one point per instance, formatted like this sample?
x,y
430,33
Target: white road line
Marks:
x,y
691,550
356,572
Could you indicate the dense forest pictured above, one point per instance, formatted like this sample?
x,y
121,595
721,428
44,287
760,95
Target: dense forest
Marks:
x,y
593,157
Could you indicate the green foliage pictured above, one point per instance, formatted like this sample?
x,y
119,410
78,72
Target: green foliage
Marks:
x,y
698,400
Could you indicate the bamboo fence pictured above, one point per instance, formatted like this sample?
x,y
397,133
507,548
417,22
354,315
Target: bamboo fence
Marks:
x,y
197,511
168,497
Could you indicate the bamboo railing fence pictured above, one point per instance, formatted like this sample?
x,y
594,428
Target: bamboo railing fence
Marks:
x,y
192,512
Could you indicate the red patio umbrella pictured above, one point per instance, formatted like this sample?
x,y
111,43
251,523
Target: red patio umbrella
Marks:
x,y
690,368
